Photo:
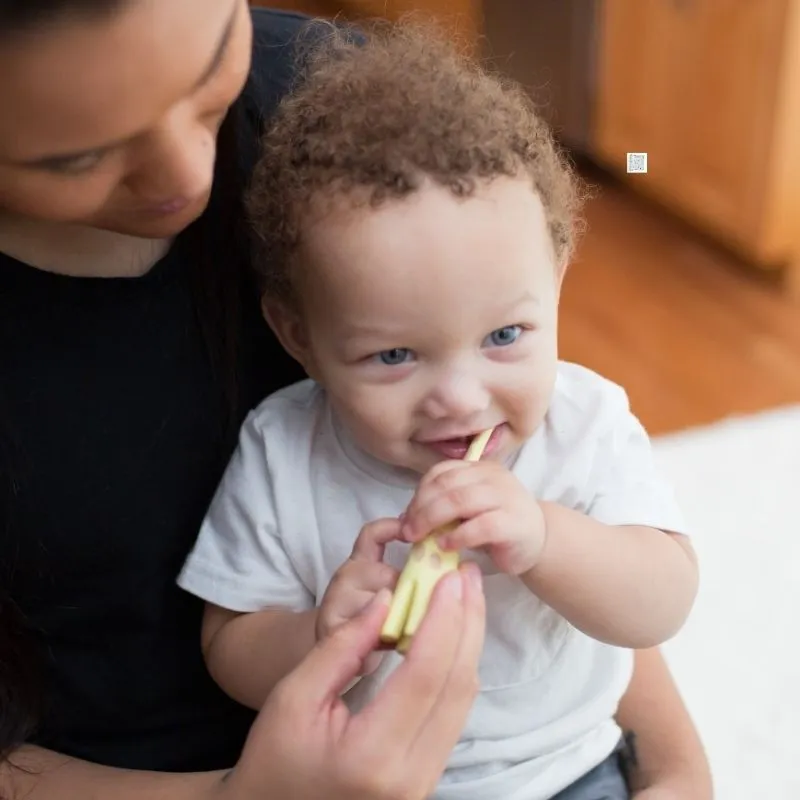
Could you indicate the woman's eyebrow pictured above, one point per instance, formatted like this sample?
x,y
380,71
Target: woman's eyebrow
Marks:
x,y
221,49
208,73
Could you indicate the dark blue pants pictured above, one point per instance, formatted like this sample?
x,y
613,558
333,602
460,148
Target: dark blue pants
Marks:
x,y
605,782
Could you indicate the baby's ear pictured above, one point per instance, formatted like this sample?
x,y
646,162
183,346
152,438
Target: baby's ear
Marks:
x,y
290,329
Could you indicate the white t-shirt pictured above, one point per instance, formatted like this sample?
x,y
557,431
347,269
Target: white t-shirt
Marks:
x,y
297,492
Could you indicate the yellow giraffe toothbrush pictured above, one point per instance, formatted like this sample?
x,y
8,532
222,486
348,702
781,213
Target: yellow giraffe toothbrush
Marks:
x,y
427,562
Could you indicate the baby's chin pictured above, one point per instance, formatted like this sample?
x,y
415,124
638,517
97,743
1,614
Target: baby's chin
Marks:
x,y
410,458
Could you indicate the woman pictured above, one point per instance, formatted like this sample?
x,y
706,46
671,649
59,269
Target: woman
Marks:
x,y
132,346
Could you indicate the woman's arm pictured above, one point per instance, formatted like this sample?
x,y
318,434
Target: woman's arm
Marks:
x,y
32,773
305,744
668,760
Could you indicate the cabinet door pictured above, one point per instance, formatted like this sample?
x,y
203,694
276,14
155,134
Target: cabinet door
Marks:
x,y
726,111
639,49
693,83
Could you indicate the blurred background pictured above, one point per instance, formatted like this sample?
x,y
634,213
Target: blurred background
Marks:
x,y
685,290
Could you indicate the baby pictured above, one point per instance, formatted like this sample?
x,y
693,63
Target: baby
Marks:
x,y
416,221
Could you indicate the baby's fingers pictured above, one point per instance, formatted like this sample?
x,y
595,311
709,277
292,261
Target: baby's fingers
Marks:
x,y
373,538
459,503
364,576
340,606
482,530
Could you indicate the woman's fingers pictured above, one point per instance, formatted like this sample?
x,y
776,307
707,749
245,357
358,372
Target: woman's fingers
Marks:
x,y
336,661
419,712
446,647
449,714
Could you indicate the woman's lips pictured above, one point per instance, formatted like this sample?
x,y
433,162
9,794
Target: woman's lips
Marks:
x,y
173,206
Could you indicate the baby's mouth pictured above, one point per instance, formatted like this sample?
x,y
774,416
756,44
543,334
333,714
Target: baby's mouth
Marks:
x,y
457,446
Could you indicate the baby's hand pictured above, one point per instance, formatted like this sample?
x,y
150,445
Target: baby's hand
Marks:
x,y
497,513
359,579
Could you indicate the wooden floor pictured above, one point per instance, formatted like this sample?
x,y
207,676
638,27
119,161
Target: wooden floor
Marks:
x,y
681,325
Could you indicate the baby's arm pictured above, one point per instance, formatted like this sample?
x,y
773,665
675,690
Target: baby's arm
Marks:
x,y
247,654
611,558
259,620
619,569
627,585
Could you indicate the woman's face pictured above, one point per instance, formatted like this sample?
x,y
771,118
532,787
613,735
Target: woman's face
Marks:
x,y
111,121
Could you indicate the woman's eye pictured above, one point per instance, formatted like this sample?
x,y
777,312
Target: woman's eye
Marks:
x,y
395,357
503,337
74,165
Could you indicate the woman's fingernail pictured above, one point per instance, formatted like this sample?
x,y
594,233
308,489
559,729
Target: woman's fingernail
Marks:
x,y
454,586
405,531
371,663
474,575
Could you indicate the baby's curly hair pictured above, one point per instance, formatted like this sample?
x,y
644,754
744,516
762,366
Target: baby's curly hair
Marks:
x,y
371,120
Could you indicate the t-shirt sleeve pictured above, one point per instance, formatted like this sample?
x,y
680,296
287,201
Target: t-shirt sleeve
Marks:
x,y
626,486
239,561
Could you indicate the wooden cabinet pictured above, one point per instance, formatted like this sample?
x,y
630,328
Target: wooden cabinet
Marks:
x,y
710,89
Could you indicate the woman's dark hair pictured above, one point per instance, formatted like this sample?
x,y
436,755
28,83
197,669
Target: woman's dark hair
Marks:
x,y
20,15
20,690
217,245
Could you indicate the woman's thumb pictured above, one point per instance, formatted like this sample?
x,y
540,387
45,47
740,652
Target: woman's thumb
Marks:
x,y
338,659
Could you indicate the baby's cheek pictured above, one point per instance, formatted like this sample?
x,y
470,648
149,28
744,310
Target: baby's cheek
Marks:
x,y
376,429
381,417
528,408
534,397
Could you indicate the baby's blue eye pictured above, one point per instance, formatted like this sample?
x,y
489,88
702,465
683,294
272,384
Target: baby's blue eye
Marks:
x,y
395,357
503,337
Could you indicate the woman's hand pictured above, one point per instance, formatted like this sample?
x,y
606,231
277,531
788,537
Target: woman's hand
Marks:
x,y
306,744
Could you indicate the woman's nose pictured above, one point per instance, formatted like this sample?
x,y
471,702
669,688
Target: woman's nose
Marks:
x,y
177,164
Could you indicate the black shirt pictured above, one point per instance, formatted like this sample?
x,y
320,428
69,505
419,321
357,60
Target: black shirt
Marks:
x,y
112,446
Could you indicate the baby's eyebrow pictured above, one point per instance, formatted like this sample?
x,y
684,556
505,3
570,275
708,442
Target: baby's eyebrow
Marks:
x,y
366,330
526,297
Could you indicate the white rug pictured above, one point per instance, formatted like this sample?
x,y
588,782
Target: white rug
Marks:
x,y
737,661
